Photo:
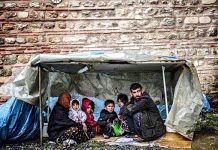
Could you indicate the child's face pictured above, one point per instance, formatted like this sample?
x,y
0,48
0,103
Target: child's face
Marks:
x,y
89,109
120,103
110,108
75,107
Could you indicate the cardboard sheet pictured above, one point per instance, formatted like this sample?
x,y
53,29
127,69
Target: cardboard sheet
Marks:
x,y
169,140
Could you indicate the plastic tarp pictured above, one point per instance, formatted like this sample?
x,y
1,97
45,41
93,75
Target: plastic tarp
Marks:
x,y
186,95
19,121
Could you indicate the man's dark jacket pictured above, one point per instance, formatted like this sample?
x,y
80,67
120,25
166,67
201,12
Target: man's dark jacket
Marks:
x,y
59,121
152,125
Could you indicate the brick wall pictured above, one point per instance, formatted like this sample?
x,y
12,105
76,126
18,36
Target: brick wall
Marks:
x,y
185,28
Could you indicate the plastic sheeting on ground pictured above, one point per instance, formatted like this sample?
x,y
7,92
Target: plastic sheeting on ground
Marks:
x,y
19,121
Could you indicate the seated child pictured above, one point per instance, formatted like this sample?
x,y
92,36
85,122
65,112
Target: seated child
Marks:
x,y
126,126
107,117
88,107
76,114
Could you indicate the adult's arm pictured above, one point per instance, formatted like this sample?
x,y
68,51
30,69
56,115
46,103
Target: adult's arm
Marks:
x,y
141,105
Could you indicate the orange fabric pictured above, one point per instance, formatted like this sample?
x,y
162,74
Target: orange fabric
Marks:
x,y
64,100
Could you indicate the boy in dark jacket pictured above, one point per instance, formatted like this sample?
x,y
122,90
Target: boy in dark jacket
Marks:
x,y
107,117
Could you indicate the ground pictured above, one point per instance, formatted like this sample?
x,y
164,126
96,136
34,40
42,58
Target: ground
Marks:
x,y
202,141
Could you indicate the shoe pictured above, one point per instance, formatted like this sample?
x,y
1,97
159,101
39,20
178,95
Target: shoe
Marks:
x,y
139,139
51,143
69,142
106,136
131,136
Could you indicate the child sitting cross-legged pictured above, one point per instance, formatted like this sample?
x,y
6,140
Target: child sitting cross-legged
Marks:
x,y
107,117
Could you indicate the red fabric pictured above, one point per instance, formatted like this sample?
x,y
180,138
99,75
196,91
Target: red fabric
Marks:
x,y
90,118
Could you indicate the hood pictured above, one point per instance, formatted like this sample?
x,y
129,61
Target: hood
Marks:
x,y
86,102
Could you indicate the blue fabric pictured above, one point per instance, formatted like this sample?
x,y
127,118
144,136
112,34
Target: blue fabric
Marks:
x,y
19,121
99,104
206,105
162,110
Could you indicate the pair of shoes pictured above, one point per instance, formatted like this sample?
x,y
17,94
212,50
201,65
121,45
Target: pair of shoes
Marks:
x,y
106,136
138,139
69,142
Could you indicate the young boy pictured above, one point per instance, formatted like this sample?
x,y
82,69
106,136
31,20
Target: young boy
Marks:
x,y
127,126
76,114
107,117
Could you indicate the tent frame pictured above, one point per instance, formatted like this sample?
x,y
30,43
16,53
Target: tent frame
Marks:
x,y
161,63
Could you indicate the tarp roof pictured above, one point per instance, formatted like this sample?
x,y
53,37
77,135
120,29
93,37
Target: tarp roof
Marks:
x,y
187,101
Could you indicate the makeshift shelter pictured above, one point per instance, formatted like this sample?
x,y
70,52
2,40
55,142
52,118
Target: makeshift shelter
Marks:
x,y
105,74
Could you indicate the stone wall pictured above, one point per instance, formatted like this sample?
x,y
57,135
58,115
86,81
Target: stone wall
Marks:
x,y
185,28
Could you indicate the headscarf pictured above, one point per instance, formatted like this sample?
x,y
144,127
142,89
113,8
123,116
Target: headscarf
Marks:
x,y
64,100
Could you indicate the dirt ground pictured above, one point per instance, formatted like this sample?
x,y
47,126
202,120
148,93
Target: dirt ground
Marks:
x,y
202,141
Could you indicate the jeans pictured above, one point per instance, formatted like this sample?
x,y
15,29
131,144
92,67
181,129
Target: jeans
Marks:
x,y
137,122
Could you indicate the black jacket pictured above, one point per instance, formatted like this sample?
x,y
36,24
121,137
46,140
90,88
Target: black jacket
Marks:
x,y
106,117
59,121
152,124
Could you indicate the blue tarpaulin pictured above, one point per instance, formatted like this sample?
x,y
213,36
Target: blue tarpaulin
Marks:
x,y
19,121
206,105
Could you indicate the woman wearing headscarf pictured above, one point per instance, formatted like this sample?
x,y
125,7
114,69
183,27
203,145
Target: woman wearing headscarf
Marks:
x,y
61,128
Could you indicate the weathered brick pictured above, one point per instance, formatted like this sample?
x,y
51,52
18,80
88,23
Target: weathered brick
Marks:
x,y
10,40
10,14
9,59
191,20
23,59
35,5
208,1
212,31
20,40
8,26
168,22
55,39
32,39
2,41
49,25
74,3
10,5
22,14
204,20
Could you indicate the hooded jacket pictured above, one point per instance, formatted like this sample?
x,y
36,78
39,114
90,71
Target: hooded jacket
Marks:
x,y
90,118
77,115
151,123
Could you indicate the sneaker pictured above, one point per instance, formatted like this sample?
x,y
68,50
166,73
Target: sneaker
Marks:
x,y
106,136
51,143
131,136
138,139
69,142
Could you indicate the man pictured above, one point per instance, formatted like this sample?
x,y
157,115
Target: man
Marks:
x,y
148,124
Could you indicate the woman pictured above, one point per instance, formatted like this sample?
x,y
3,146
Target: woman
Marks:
x,y
61,128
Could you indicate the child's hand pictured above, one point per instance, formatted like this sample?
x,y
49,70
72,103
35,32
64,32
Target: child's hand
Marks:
x,y
85,128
